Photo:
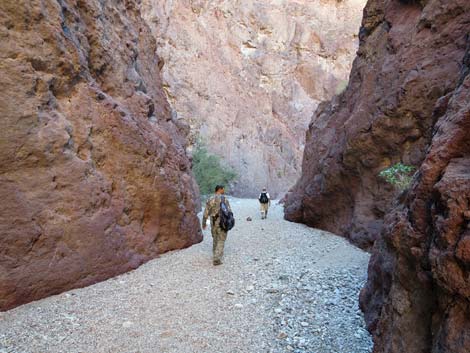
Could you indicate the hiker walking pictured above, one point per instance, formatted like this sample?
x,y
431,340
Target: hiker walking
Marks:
x,y
221,217
264,202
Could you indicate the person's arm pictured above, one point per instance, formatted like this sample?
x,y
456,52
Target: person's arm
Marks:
x,y
206,215
269,200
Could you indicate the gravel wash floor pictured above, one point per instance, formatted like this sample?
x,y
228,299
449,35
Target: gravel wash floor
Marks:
x,y
283,287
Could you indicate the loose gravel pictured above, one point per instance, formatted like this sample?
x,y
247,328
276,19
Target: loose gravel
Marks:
x,y
283,287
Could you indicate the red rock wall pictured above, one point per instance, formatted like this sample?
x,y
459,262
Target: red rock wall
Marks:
x,y
408,100
94,178
417,298
409,57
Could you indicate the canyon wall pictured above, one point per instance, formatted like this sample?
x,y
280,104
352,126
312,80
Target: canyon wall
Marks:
x,y
248,75
417,298
408,58
94,177
408,100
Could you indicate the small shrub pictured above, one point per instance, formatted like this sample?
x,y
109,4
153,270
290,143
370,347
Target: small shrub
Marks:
x,y
209,170
399,175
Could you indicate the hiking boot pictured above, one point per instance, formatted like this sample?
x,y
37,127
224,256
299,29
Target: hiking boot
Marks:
x,y
217,262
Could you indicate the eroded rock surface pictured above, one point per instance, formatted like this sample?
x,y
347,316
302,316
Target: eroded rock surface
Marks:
x,y
417,298
94,178
408,58
248,75
408,100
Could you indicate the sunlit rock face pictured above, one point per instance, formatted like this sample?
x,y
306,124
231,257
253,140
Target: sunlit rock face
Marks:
x,y
248,75
94,178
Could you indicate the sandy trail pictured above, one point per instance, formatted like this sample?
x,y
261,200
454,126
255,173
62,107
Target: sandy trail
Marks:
x,y
282,287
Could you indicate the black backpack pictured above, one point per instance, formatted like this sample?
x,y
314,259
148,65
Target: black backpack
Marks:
x,y
263,198
225,216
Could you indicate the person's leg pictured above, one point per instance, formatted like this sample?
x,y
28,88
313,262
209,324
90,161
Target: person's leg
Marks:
x,y
219,246
214,241
219,252
264,210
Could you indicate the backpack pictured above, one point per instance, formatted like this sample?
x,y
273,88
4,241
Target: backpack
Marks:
x,y
226,219
263,198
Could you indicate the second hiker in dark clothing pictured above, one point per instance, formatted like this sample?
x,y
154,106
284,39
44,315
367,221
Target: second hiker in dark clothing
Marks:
x,y
264,202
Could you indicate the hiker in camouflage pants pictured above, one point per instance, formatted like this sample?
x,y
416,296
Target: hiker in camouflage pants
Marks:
x,y
218,235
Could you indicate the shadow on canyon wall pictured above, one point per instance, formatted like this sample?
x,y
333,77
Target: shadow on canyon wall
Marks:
x,y
407,101
95,179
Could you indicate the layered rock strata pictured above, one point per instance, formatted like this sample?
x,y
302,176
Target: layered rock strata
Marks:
x,y
247,76
94,177
409,57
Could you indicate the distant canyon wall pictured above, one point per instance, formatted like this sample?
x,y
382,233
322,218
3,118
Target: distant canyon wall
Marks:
x,y
94,177
407,101
248,75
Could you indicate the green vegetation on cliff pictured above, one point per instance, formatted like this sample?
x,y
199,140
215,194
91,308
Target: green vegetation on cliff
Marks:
x,y
399,175
209,170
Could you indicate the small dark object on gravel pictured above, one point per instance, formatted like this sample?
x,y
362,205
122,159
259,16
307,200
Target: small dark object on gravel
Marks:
x,y
249,219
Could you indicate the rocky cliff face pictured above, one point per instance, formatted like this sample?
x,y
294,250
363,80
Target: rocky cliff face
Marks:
x,y
417,298
94,179
408,58
247,76
408,100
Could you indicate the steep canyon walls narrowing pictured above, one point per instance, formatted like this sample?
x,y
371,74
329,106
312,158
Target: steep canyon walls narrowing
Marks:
x,y
417,298
94,177
247,76
408,100
405,63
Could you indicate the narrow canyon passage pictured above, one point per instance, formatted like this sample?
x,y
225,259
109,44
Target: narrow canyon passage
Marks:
x,y
283,287
357,117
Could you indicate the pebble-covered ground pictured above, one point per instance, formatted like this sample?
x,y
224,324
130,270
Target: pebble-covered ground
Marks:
x,y
283,287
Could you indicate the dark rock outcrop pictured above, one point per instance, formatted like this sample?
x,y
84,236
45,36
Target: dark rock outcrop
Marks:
x,y
408,100
417,298
409,57
94,178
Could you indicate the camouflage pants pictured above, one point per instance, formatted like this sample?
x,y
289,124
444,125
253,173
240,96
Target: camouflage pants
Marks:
x,y
218,241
